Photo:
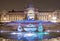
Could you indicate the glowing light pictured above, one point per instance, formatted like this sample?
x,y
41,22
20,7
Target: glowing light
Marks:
x,y
54,18
1,31
58,31
13,33
4,18
54,21
16,33
48,30
30,29
30,35
31,11
49,15
46,33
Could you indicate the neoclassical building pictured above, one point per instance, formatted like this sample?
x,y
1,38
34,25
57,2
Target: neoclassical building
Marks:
x,y
8,16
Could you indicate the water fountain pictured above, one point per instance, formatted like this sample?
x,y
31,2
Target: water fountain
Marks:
x,y
30,33
30,29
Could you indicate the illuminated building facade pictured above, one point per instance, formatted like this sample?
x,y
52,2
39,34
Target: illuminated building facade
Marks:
x,y
7,16
29,27
31,15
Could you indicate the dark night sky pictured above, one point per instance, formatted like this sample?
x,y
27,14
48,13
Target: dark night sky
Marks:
x,y
21,4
